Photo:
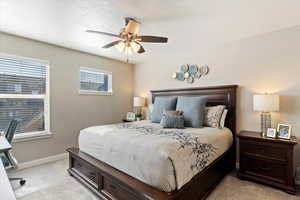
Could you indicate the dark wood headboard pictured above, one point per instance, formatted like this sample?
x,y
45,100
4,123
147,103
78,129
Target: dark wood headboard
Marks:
x,y
216,95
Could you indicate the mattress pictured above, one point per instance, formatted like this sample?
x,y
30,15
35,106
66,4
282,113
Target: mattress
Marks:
x,y
166,159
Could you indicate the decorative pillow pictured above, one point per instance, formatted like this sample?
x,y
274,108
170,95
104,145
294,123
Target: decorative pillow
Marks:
x,y
172,119
213,116
161,104
193,110
223,118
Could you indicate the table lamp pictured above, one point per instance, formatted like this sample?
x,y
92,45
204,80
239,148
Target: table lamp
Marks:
x,y
138,103
265,103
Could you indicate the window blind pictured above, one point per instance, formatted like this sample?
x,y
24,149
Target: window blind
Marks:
x,y
90,76
23,84
20,76
95,81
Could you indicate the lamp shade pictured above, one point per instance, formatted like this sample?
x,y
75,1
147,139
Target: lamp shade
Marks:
x,y
138,101
266,102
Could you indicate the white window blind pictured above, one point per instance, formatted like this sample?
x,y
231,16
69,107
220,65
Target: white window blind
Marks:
x,y
24,94
94,81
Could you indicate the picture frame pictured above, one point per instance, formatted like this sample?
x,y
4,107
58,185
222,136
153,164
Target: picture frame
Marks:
x,y
271,132
130,116
284,131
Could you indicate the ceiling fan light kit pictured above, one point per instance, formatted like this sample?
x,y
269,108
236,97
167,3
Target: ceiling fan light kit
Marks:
x,y
129,39
128,47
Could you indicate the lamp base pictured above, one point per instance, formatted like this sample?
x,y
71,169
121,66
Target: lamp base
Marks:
x,y
265,122
138,112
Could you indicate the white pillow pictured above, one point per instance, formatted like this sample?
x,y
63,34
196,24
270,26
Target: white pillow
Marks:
x,y
213,116
223,118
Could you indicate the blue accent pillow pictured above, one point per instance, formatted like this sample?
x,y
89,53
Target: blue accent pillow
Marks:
x,y
161,104
172,119
193,109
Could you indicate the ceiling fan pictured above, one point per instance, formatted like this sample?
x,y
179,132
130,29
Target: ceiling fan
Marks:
x,y
129,40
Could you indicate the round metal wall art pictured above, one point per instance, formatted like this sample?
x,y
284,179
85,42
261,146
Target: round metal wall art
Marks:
x,y
198,75
193,69
190,72
174,75
184,68
180,76
204,70
190,80
186,75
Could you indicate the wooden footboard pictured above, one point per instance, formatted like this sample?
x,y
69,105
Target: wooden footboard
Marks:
x,y
109,183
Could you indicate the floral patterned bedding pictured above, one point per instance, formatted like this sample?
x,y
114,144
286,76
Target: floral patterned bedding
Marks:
x,y
164,158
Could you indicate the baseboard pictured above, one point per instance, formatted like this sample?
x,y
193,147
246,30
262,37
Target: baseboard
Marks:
x,y
41,161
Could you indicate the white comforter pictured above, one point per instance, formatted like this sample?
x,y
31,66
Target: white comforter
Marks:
x,y
164,158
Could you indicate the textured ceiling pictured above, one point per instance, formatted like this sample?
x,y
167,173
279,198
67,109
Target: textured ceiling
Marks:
x,y
189,24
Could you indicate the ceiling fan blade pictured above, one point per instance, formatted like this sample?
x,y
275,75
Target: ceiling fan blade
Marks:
x,y
103,33
154,39
141,50
111,44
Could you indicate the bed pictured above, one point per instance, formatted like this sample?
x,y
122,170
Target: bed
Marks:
x,y
164,158
157,163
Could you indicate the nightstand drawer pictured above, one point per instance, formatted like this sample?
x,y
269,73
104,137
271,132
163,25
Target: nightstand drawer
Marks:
x,y
264,149
273,171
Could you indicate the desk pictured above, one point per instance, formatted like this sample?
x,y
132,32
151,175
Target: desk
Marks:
x,y
4,145
6,191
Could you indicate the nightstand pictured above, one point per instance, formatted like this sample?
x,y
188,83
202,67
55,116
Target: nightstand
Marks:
x,y
267,160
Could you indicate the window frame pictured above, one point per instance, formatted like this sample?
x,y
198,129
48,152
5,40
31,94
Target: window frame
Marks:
x,y
91,92
33,134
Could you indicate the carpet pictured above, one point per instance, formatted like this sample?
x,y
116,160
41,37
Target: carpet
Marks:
x,y
52,182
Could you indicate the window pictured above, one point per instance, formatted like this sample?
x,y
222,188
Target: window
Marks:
x,y
24,95
93,81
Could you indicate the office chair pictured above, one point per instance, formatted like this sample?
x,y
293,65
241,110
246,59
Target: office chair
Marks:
x,y
8,158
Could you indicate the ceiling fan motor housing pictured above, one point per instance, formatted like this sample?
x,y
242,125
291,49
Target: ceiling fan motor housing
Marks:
x,y
133,27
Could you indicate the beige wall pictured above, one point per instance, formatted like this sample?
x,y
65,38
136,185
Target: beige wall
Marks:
x,y
70,111
264,63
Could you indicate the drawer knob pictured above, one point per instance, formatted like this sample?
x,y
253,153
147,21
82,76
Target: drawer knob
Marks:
x,y
265,168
